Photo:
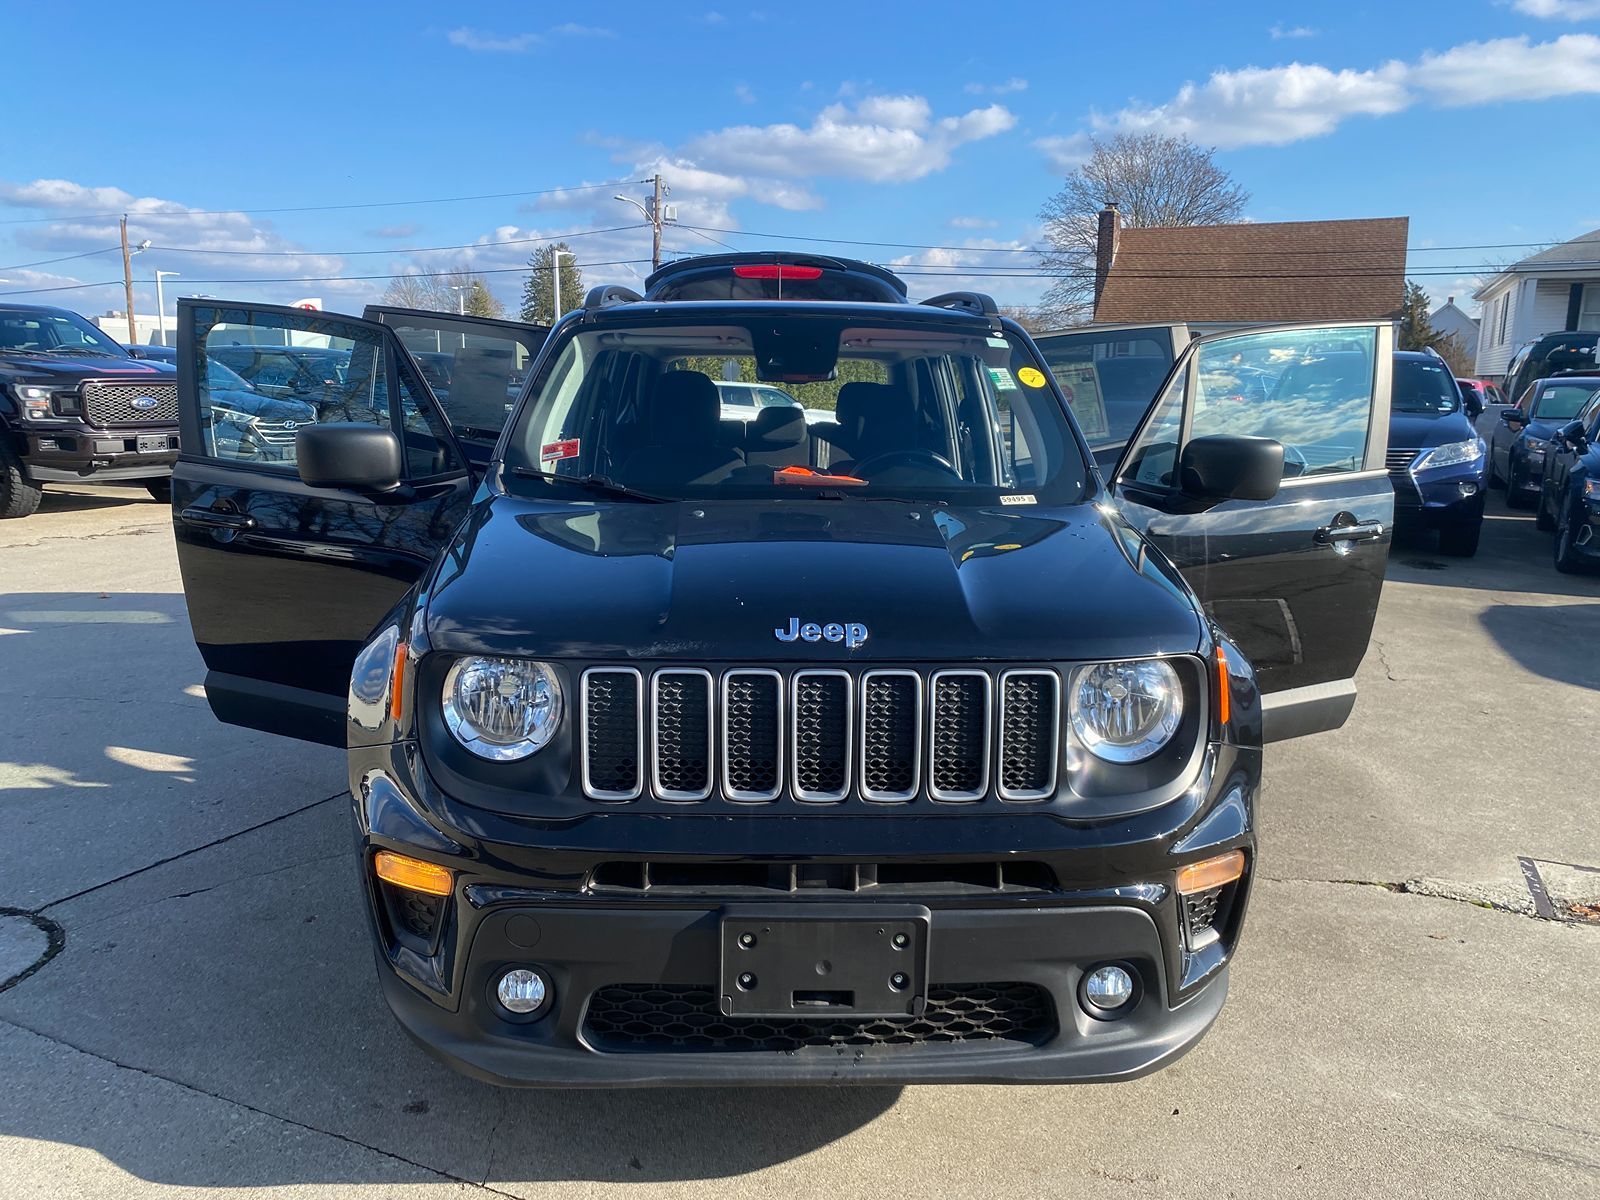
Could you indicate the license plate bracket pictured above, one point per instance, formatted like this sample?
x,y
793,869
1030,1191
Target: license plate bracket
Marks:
x,y
825,964
153,443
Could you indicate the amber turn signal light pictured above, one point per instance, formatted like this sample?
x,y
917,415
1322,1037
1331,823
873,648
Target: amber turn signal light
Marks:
x,y
1213,872
1224,688
412,873
397,683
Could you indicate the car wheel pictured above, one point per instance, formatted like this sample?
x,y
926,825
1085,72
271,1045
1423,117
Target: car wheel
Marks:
x,y
1514,496
1544,520
1494,473
159,489
1567,559
19,496
1460,540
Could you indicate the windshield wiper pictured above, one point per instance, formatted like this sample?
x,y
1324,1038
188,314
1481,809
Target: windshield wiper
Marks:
x,y
596,483
82,350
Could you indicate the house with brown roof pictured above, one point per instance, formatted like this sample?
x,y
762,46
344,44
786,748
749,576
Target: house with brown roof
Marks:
x,y
1253,274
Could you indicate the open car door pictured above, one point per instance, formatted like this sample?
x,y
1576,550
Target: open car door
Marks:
x,y
475,367
1294,581
286,581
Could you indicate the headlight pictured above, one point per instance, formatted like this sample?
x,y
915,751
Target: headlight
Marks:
x,y
35,402
1124,712
502,708
1591,490
1451,454
1535,445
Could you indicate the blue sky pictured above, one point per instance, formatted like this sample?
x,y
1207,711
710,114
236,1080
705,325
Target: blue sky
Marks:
x,y
939,125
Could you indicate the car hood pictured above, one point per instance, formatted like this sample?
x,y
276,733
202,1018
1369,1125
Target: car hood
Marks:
x,y
1543,428
64,370
1426,430
715,581
267,408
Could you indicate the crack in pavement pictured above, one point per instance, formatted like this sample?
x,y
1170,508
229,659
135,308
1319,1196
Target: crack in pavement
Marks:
x,y
171,858
1507,898
1383,657
55,941
251,1108
125,531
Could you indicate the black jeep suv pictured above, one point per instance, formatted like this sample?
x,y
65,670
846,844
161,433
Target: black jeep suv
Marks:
x,y
903,746
76,407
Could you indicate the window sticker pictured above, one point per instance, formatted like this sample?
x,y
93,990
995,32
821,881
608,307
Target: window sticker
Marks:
x,y
556,451
1031,376
1001,378
1080,384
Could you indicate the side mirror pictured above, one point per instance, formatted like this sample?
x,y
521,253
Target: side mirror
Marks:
x,y
1572,435
1231,468
1512,416
364,458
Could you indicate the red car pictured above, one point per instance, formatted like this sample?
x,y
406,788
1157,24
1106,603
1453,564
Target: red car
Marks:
x,y
1478,395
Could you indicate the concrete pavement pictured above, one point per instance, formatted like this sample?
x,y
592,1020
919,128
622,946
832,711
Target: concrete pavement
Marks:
x,y
212,1025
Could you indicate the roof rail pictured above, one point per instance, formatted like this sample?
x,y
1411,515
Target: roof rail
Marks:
x,y
610,293
973,302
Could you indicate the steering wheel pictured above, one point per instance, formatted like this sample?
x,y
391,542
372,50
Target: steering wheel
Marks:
x,y
1293,458
905,458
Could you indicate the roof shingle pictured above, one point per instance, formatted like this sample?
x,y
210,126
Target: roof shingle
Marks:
x,y
1284,271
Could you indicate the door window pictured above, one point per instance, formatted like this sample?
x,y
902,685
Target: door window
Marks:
x,y
268,374
475,368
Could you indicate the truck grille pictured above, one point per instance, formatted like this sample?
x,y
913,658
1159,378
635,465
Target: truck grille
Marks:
x,y
1398,463
106,403
819,735
680,1018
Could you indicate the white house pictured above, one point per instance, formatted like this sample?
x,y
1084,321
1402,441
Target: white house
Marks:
x,y
1554,290
1448,318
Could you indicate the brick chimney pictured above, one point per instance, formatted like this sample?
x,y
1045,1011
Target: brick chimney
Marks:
x,y
1105,249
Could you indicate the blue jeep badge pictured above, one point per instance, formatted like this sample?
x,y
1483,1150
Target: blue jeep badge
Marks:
x,y
853,634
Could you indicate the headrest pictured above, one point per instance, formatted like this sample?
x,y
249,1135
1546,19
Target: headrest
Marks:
x,y
684,408
777,427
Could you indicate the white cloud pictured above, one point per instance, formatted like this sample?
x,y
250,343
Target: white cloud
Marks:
x,y
1273,106
1014,84
1511,69
949,268
1281,32
883,139
972,223
1559,10
498,43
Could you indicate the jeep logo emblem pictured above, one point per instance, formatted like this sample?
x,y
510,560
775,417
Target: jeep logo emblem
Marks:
x,y
144,403
853,634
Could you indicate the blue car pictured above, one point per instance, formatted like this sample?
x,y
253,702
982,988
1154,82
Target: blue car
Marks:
x,y
1518,443
1436,460
1569,500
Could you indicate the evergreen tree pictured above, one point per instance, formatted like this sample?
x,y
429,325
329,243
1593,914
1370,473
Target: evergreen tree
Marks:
x,y
537,308
1416,329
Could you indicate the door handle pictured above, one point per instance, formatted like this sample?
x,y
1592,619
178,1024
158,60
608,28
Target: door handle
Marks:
x,y
210,518
1360,531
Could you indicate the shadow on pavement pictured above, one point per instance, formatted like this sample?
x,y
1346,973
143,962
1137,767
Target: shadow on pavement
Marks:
x,y
1560,642
62,498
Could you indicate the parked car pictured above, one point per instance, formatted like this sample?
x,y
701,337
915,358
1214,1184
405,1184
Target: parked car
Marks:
x,y
1478,395
1569,498
284,371
675,759
75,407
1518,441
1570,351
246,425
1436,458
153,353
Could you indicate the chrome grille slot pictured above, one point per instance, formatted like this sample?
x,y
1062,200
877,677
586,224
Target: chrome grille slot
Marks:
x,y
613,733
1030,724
820,735
891,735
681,725
958,735
112,403
752,735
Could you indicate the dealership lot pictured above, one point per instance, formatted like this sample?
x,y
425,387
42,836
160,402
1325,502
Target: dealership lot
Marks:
x,y
1401,1018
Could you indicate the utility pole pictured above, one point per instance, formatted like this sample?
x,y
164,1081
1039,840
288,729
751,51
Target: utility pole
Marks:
x,y
655,222
127,282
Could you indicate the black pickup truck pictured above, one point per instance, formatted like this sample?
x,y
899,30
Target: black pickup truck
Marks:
x,y
905,746
76,407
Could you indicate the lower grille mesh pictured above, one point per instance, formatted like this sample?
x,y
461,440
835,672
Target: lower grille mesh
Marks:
x,y
114,403
685,1018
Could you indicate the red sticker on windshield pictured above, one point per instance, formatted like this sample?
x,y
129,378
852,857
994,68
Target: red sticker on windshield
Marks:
x,y
555,451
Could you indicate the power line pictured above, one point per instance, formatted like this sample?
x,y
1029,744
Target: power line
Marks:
x,y
555,237
220,212
64,258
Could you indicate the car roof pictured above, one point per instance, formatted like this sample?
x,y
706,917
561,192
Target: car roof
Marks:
x,y
38,308
714,262
1563,377
633,312
1411,355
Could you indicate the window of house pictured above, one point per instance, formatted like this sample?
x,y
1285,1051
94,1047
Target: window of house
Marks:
x,y
1589,309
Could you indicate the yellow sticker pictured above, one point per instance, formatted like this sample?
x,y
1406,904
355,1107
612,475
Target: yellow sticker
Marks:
x,y
1031,376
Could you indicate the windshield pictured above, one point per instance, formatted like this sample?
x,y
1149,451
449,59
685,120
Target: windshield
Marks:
x,y
1109,377
33,332
910,409
223,378
1561,401
1423,386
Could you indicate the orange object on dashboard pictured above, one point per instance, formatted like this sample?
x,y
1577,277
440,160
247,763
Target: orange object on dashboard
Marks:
x,y
806,477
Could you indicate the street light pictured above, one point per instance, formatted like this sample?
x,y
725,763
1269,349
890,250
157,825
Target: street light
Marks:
x,y
643,211
460,289
161,306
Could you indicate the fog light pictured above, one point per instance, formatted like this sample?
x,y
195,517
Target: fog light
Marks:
x,y
521,991
1467,489
1108,988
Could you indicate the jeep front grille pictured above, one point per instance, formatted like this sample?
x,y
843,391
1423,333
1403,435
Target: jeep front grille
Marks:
x,y
819,735
112,403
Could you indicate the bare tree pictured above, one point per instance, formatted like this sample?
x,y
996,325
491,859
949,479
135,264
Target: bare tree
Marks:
x,y
1154,180
458,290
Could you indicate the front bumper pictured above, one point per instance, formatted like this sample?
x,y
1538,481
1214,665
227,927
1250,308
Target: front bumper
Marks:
x,y
1436,499
535,894
76,452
